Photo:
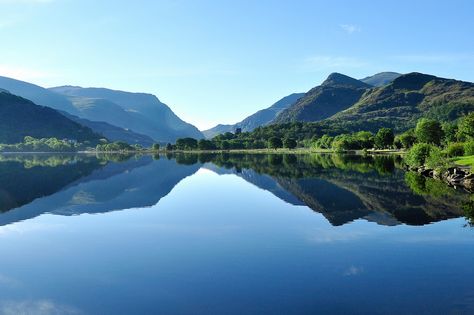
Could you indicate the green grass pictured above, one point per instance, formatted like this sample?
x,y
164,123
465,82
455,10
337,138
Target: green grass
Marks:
x,y
465,160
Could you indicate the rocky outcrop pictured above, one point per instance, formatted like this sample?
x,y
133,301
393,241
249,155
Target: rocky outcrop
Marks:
x,y
454,176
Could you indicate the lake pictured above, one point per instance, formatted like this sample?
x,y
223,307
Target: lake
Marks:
x,y
231,234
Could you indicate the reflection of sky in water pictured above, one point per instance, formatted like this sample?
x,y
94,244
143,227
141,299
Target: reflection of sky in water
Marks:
x,y
217,244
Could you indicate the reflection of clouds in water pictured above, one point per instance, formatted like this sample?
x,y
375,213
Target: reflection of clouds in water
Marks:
x,y
322,236
23,227
353,271
82,198
7,281
36,307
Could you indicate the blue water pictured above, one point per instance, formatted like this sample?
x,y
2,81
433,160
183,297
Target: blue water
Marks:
x,y
148,236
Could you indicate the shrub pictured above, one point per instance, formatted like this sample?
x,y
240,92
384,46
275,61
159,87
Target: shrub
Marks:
x,y
469,148
455,149
418,154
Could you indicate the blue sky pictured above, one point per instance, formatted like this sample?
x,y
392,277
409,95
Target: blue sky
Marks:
x,y
219,61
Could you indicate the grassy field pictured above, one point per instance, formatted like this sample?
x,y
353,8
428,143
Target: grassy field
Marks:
x,y
465,161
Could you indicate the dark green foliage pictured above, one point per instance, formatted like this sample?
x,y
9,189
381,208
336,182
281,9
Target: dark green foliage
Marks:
x,y
418,154
289,143
204,144
169,147
384,138
274,143
155,146
450,132
455,149
186,144
408,138
466,127
429,131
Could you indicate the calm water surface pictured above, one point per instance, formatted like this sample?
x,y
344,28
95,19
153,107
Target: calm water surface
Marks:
x,y
230,234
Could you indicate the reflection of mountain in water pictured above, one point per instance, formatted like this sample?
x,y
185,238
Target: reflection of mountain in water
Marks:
x,y
346,189
137,182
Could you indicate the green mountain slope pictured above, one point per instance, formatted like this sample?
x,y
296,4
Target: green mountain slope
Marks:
x,y
261,118
337,93
140,112
21,117
401,103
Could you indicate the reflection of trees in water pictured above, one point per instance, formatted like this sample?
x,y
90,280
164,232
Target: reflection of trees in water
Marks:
x,y
373,187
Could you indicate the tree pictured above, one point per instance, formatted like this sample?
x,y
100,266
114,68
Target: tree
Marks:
x,y
274,143
204,144
289,143
169,147
186,144
466,127
155,146
384,138
429,131
408,139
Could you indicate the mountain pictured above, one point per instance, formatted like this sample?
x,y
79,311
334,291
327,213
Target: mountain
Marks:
x,y
135,112
338,92
84,184
112,132
143,113
401,103
261,118
37,94
218,129
21,117
381,79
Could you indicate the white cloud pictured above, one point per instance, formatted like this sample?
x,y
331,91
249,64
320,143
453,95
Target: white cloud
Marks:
x,y
36,307
353,271
349,28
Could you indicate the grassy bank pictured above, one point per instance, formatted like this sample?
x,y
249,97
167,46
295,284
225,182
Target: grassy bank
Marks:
x,y
465,161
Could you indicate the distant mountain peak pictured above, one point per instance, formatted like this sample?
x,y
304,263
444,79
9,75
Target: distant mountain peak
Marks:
x,y
339,79
381,78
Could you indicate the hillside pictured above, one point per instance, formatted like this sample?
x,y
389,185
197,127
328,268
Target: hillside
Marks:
x,y
140,112
37,94
112,132
338,92
401,103
21,117
136,112
261,118
381,79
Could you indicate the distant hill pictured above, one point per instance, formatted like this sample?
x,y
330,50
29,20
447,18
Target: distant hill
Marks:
x,y
136,112
261,118
140,112
380,79
401,103
37,94
112,132
21,117
338,92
